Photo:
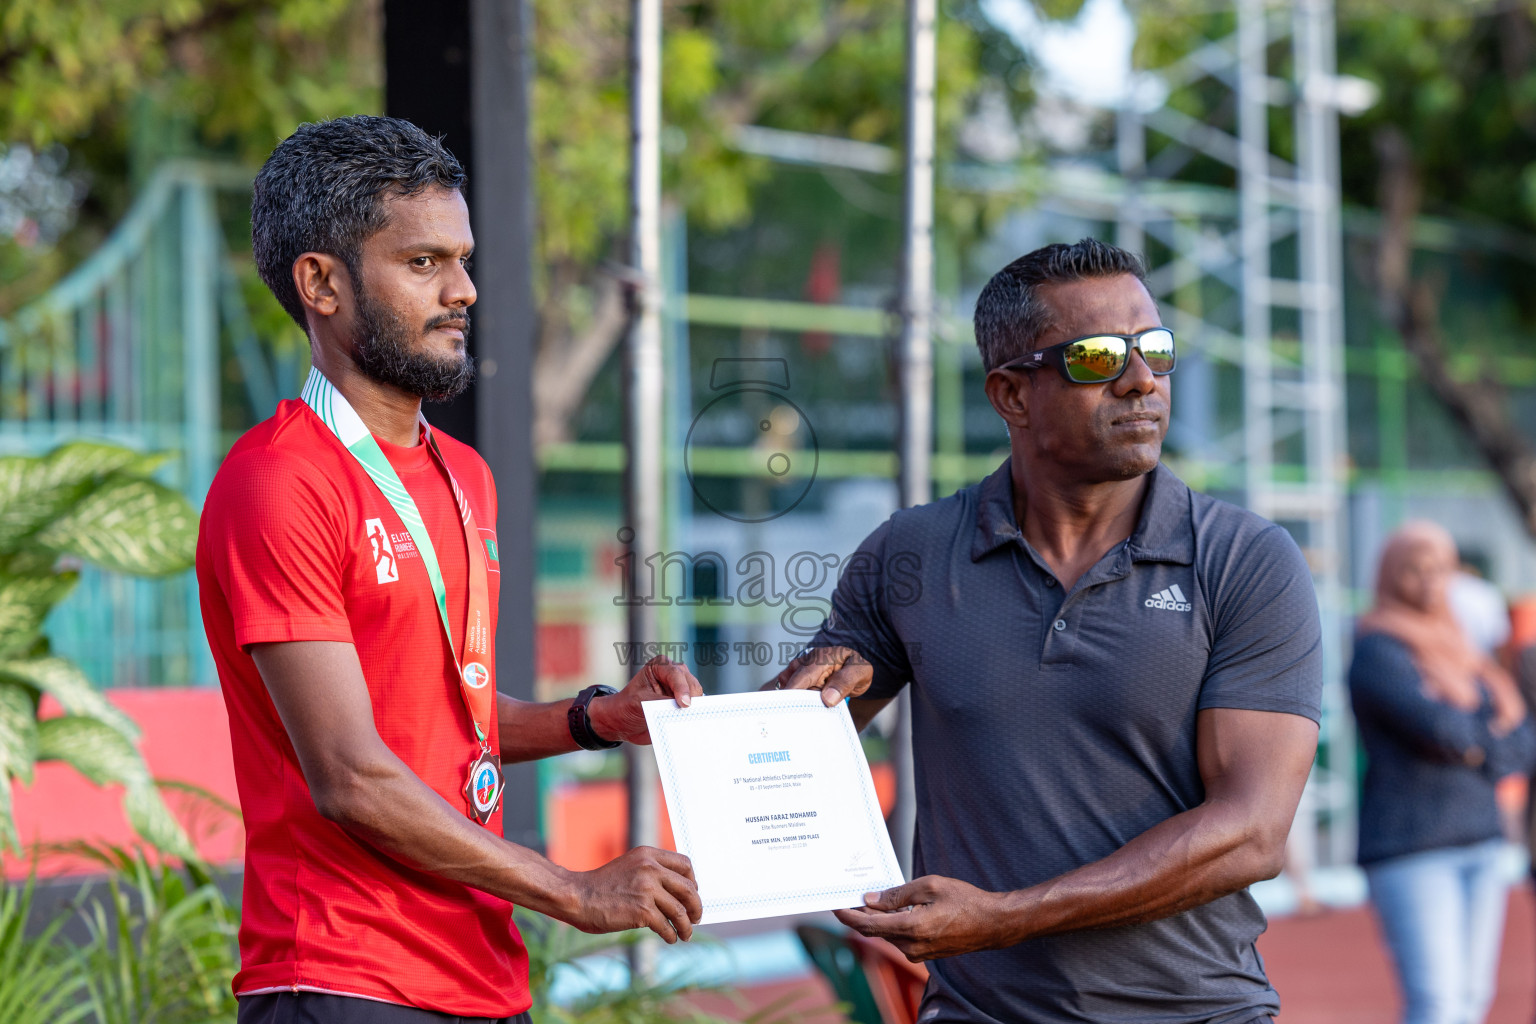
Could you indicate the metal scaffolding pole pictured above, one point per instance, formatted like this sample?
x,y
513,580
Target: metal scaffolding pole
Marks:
x,y
1265,292
1253,200
1131,155
644,482
916,355
1321,270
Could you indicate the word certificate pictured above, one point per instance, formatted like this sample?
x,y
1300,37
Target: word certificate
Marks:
x,y
771,798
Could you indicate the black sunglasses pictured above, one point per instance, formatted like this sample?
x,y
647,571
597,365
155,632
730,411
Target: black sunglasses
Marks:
x,y
1100,358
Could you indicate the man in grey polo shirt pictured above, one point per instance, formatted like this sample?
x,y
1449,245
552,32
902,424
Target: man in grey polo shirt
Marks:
x,y
1115,685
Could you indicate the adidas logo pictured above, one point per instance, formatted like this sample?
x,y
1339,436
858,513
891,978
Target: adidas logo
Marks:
x,y
1172,599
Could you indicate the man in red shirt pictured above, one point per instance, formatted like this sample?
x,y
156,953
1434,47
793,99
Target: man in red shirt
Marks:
x,y
347,566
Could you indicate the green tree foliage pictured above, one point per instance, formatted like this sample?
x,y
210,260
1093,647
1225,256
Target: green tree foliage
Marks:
x,y
82,502
826,67
244,72
1452,134
1459,82
1457,86
127,82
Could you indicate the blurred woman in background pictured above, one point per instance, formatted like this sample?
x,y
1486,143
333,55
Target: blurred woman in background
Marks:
x,y
1441,723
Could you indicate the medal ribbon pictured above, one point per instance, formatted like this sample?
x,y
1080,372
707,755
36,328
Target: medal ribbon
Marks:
x,y
476,675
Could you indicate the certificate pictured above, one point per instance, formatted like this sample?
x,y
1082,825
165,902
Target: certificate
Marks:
x,y
770,797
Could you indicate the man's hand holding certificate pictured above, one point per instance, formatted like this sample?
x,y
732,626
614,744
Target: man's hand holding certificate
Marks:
x,y
771,799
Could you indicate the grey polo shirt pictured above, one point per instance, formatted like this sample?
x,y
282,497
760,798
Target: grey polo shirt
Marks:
x,y
1050,728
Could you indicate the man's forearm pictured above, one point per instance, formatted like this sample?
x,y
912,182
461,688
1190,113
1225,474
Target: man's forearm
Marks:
x,y
387,807
1183,862
1253,764
531,730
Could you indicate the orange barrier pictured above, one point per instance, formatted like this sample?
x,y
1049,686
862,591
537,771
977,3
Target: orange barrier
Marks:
x,y
1522,623
897,983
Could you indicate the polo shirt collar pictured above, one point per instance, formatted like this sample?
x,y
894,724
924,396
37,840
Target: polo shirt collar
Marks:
x,y
1164,532
994,513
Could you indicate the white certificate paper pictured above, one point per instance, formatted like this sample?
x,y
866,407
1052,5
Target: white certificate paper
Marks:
x,y
771,798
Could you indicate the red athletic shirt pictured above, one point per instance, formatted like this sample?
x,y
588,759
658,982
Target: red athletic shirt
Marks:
x,y
293,547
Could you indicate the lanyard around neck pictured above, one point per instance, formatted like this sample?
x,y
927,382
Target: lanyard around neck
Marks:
x,y
476,675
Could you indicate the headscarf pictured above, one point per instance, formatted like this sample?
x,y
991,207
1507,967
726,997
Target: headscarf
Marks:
x,y
1452,670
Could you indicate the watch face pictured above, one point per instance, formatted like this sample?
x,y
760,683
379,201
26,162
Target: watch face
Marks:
x,y
769,481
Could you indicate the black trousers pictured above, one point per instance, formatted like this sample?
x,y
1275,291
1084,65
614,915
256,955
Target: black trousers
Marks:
x,y
323,1008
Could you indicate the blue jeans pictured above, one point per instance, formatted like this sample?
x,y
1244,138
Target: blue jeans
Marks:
x,y
1443,915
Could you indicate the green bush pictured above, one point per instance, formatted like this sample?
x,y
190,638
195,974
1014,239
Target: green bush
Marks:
x,y
162,949
163,944
42,980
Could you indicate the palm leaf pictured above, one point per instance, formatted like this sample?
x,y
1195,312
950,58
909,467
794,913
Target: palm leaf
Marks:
x,y
90,501
104,755
127,525
88,460
10,838
29,498
34,491
68,685
92,748
155,823
18,732
24,602
28,560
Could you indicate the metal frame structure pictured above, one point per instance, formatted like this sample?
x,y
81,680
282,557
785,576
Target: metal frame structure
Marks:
x,y
1279,270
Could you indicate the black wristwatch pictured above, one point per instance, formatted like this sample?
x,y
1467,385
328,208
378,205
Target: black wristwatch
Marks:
x,y
581,726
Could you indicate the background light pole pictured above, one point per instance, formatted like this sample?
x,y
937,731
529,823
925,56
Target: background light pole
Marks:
x,y
644,482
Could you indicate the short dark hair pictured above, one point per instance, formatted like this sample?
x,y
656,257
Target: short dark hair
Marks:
x,y
1010,316
323,190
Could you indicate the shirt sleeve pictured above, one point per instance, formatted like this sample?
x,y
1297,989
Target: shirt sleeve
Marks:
x,y
271,529
860,617
1512,754
1386,690
1267,651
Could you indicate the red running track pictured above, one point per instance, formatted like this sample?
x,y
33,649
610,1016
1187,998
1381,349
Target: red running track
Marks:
x,y
1329,969
1334,968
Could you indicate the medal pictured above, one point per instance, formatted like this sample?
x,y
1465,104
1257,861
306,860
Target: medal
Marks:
x,y
475,669
484,786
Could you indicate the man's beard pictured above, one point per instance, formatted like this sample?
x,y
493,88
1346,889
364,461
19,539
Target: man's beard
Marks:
x,y
384,348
